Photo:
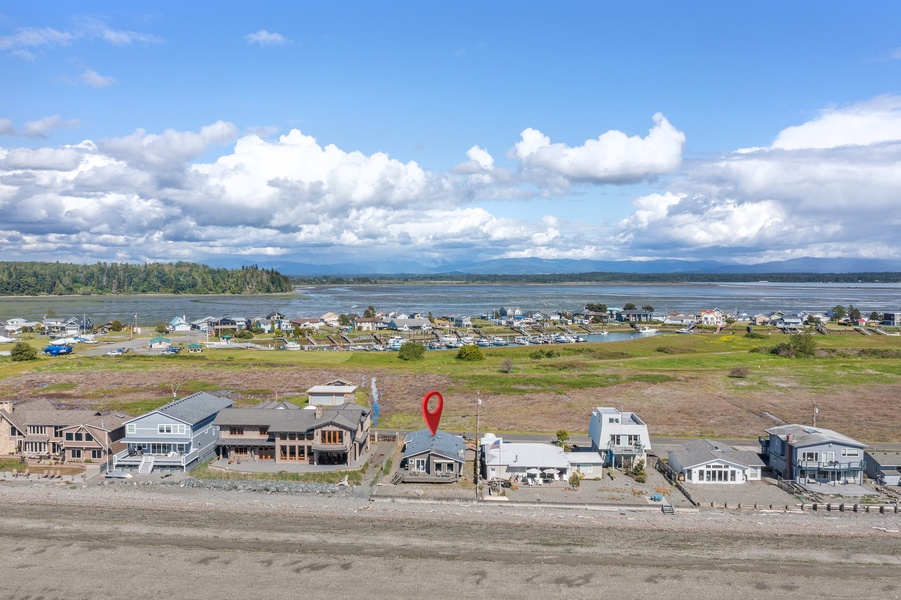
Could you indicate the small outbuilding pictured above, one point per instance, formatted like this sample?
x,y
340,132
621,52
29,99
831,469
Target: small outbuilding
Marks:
x,y
884,467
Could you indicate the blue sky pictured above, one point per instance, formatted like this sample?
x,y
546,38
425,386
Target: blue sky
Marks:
x,y
362,132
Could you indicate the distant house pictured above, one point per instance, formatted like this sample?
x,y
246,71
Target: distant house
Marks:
x,y
892,319
68,326
306,323
462,321
431,458
160,342
195,348
414,324
179,435
317,435
883,467
712,317
179,324
205,324
708,461
677,318
634,316
333,393
330,319
367,323
813,454
509,311
621,437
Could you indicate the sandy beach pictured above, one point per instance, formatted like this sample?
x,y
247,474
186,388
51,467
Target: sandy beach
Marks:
x,y
125,541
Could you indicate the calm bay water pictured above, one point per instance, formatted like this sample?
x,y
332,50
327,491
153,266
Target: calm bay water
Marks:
x,y
313,301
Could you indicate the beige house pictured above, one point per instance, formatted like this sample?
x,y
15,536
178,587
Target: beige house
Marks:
x,y
36,429
283,433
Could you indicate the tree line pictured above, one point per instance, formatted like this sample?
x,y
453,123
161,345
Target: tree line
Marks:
x,y
41,278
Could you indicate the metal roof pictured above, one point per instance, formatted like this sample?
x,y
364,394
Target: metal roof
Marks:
x,y
443,443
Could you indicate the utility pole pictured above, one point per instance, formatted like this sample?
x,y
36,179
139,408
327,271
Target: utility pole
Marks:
x,y
478,442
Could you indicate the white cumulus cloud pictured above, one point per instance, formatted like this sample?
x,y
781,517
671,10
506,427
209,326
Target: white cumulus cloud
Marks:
x,y
613,157
266,38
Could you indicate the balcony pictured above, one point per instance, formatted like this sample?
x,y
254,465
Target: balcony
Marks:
x,y
834,465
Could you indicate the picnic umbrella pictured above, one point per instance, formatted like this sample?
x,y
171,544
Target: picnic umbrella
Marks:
x,y
533,471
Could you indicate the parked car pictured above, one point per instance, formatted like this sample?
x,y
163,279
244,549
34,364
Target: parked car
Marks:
x,y
117,352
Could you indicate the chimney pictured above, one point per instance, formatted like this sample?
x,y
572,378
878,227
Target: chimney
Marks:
x,y
318,411
7,406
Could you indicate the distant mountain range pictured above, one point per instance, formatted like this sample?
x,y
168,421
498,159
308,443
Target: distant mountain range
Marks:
x,y
536,266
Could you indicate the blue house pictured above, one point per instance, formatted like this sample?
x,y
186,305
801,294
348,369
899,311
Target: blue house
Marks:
x,y
431,458
813,455
179,435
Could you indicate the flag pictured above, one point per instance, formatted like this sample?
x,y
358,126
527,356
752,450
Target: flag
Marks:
x,y
496,443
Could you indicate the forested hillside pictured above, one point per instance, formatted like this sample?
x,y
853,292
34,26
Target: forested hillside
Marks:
x,y
38,278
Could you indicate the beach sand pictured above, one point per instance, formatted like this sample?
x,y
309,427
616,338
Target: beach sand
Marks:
x,y
84,540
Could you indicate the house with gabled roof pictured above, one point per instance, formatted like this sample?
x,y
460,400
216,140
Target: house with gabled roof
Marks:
x,y
431,458
38,429
813,454
179,324
179,435
316,435
709,461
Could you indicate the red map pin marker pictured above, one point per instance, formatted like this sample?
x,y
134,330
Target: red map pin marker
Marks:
x,y
432,418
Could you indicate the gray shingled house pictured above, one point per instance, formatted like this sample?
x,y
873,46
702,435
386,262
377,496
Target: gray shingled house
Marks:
x,y
431,458
709,461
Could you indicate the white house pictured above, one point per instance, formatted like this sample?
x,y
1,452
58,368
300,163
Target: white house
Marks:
x,y
620,436
708,461
522,461
179,324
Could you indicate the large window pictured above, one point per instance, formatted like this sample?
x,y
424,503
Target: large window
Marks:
x,y
332,437
131,429
810,456
96,454
850,451
76,453
176,428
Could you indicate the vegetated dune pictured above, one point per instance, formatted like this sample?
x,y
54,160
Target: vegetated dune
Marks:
x,y
688,404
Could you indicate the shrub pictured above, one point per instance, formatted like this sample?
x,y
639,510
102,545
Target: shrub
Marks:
x,y
755,336
549,353
470,353
22,351
411,351
507,365
739,372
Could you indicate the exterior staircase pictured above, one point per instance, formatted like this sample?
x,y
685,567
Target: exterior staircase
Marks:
x,y
146,465
668,509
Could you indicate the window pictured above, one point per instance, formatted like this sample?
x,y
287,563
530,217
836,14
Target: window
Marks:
x,y
810,456
78,436
69,436
96,454
850,451
131,429
57,432
88,437
236,430
332,437
76,452
264,430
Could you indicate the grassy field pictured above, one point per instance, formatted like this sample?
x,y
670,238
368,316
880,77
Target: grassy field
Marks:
x,y
715,385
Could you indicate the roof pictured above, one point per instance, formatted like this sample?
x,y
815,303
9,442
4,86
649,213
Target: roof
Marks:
x,y
697,452
443,443
514,454
346,416
803,435
194,408
42,412
332,389
160,339
885,459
